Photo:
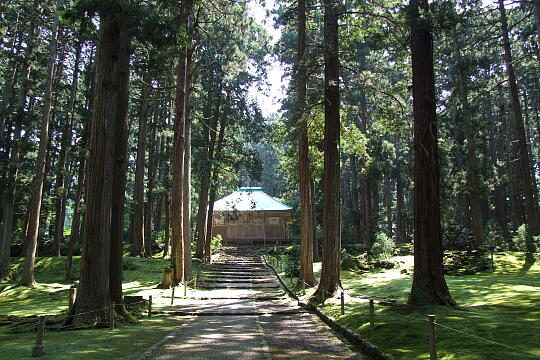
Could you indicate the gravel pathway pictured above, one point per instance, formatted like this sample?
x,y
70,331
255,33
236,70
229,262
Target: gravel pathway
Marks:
x,y
242,319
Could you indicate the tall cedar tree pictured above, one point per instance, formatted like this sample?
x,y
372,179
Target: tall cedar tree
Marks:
x,y
35,202
177,257
8,195
188,274
120,166
429,286
529,190
94,291
138,213
304,175
206,167
330,274
473,178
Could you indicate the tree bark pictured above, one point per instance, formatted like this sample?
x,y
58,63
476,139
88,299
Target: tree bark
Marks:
x,y
167,204
158,223
401,236
473,176
330,273
207,256
188,273
499,195
94,291
178,158
121,129
388,204
429,286
206,168
61,190
152,164
304,174
355,208
35,202
366,199
138,212
316,251
514,182
532,218
76,223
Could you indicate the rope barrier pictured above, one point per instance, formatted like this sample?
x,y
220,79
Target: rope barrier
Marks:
x,y
106,308
489,341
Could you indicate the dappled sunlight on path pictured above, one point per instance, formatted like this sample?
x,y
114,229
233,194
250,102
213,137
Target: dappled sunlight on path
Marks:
x,y
241,312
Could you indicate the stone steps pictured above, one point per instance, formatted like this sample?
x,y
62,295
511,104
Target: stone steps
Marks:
x,y
236,285
236,279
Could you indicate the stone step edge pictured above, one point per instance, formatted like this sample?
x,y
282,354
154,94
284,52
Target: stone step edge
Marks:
x,y
212,313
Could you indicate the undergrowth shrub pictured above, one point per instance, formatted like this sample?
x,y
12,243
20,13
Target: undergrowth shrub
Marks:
x,y
216,243
519,239
456,237
292,262
383,247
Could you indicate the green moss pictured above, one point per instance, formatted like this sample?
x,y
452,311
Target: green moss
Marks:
x,y
50,296
125,342
503,307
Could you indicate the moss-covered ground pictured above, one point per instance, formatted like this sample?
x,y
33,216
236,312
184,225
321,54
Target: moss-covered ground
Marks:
x,y
501,306
50,296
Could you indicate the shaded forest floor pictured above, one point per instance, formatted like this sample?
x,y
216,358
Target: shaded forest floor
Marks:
x,y
50,296
503,306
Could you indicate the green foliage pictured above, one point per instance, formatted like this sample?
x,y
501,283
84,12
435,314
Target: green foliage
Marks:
x,y
457,237
215,244
292,261
383,247
494,237
158,238
519,239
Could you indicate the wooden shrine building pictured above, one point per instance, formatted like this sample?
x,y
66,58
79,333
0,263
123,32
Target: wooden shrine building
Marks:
x,y
250,216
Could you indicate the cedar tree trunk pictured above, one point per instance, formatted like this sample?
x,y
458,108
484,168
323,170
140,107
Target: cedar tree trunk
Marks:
x,y
429,286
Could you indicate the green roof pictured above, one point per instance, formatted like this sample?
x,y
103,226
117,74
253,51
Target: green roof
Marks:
x,y
249,199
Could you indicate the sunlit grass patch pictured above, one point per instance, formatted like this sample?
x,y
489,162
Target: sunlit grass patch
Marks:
x,y
125,342
503,307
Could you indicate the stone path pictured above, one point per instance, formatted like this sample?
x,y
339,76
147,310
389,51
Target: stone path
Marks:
x,y
245,314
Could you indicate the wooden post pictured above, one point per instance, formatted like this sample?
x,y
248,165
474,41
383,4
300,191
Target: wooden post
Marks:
x,y
342,302
172,296
37,350
185,289
72,296
371,315
492,262
195,284
303,287
150,306
111,316
432,338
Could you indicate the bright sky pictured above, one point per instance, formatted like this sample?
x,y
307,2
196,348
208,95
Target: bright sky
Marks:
x,y
269,99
